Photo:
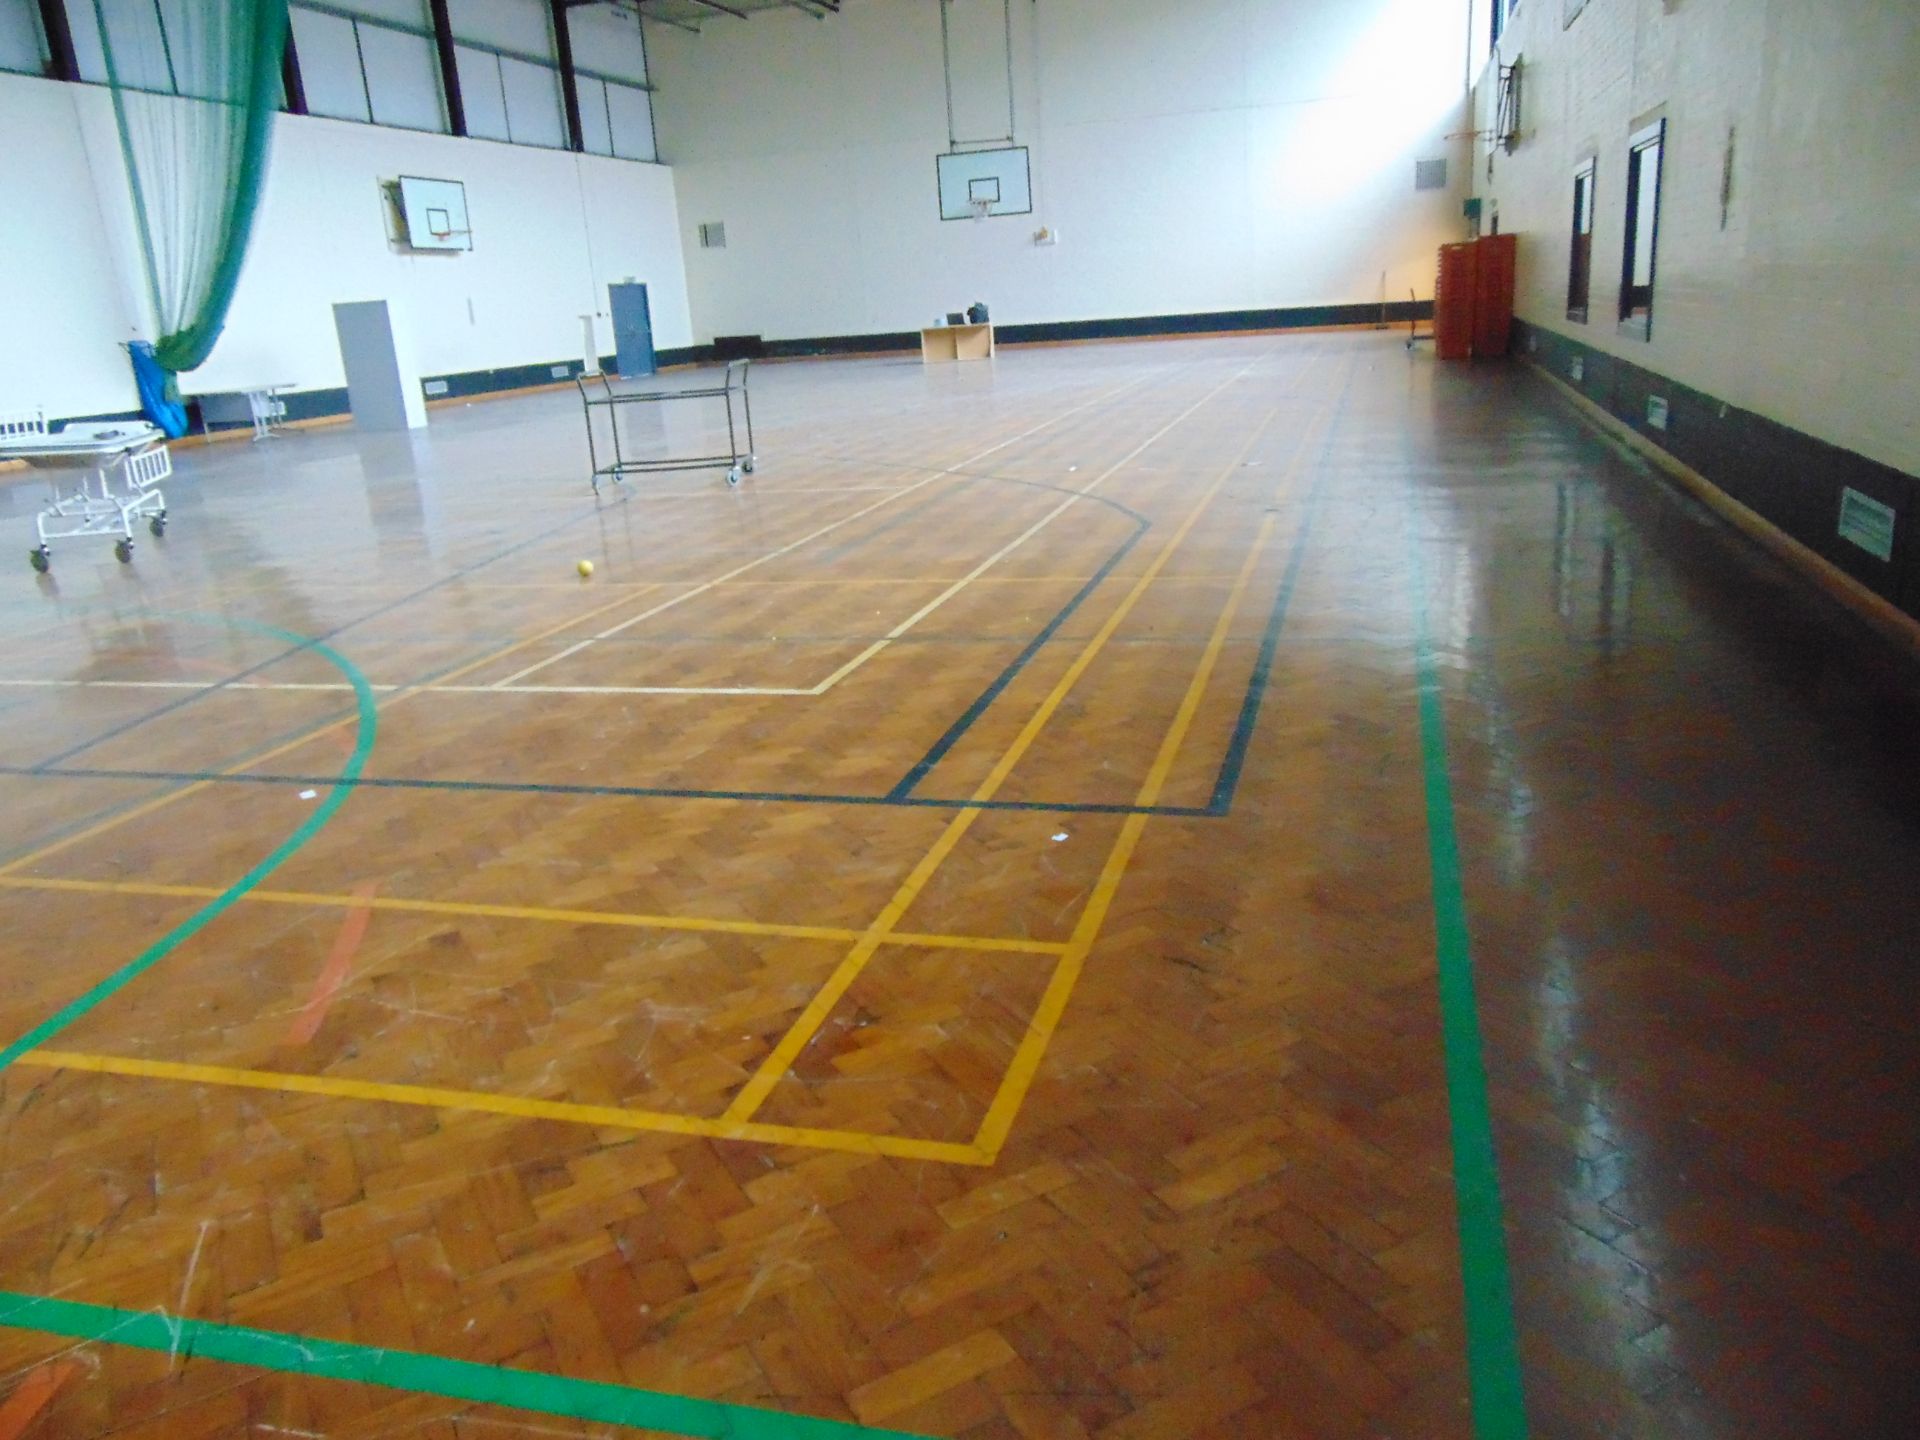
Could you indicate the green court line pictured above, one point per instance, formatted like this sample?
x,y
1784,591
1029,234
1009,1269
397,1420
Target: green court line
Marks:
x,y
335,1360
323,812
554,1395
1493,1346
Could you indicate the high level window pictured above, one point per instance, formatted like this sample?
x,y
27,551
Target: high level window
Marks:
x,y
1580,262
1643,230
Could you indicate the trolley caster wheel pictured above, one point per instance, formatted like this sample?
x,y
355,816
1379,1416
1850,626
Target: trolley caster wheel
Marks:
x,y
733,476
747,464
158,525
40,559
123,551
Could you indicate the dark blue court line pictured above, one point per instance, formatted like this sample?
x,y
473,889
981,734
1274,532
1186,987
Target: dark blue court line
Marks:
x,y
924,766
392,605
1227,783
597,512
638,792
1233,763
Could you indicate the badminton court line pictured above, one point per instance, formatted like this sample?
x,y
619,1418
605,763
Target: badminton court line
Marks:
x,y
513,681
508,685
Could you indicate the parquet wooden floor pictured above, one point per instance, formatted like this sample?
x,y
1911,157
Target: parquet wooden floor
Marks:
x,y
967,935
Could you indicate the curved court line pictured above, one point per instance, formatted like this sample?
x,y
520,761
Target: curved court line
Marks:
x,y
890,498
408,1370
298,643
342,786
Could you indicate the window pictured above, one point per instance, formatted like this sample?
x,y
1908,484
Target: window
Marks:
x,y
1503,11
360,66
22,49
1643,230
1580,262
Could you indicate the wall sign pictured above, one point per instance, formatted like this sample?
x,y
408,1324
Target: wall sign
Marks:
x,y
1867,523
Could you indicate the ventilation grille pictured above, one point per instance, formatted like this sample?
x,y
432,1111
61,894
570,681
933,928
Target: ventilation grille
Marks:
x,y
1430,174
713,235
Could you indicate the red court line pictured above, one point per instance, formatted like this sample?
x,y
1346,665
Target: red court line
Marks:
x,y
333,975
33,1395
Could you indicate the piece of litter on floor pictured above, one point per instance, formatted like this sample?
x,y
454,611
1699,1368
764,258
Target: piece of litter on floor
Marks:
x,y
1058,836
308,794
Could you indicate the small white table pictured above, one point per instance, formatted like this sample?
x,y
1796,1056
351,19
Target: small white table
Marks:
x,y
121,465
259,403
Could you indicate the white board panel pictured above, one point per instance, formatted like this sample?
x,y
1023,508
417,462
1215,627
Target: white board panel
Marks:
x,y
436,213
998,176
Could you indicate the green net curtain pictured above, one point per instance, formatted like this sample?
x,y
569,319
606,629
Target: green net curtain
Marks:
x,y
196,84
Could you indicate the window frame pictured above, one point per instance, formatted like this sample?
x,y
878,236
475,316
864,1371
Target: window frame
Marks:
x,y
496,53
1580,258
1636,301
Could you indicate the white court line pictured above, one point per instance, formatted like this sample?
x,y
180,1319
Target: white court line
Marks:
x,y
508,687
574,649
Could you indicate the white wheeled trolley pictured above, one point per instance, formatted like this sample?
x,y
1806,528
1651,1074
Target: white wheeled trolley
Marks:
x,y
120,463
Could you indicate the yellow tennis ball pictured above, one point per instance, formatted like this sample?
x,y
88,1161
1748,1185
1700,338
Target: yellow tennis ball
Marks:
x,y
586,567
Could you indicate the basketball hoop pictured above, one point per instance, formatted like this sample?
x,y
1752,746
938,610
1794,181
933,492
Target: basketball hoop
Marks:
x,y
981,205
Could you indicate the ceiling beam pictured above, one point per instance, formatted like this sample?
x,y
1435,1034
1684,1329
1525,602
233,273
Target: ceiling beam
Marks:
x,y
569,82
449,66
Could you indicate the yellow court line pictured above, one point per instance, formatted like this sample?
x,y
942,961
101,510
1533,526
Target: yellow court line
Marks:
x,y
1019,1076
522,1107
478,910
159,801
774,1068
632,620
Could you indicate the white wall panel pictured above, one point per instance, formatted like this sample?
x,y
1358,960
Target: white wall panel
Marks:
x,y
1215,155
551,231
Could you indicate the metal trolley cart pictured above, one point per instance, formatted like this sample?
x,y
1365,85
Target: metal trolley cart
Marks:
x,y
736,462
121,465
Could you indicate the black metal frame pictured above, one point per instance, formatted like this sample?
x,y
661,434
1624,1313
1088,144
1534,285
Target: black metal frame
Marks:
x,y
449,64
735,462
62,63
569,82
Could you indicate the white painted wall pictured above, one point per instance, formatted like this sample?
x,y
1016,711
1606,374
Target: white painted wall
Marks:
x,y
1805,306
551,231
1210,155
63,307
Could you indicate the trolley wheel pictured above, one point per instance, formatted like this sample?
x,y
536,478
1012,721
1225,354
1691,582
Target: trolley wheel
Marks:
x,y
747,464
123,551
733,476
158,525
40,558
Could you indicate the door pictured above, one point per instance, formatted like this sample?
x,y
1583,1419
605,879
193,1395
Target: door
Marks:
x,y
632,329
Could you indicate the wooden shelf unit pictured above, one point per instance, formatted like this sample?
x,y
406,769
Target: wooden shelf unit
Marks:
x,y
956,342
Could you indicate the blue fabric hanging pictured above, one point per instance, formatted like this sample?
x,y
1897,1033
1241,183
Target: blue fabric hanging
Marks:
x,y
156,391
